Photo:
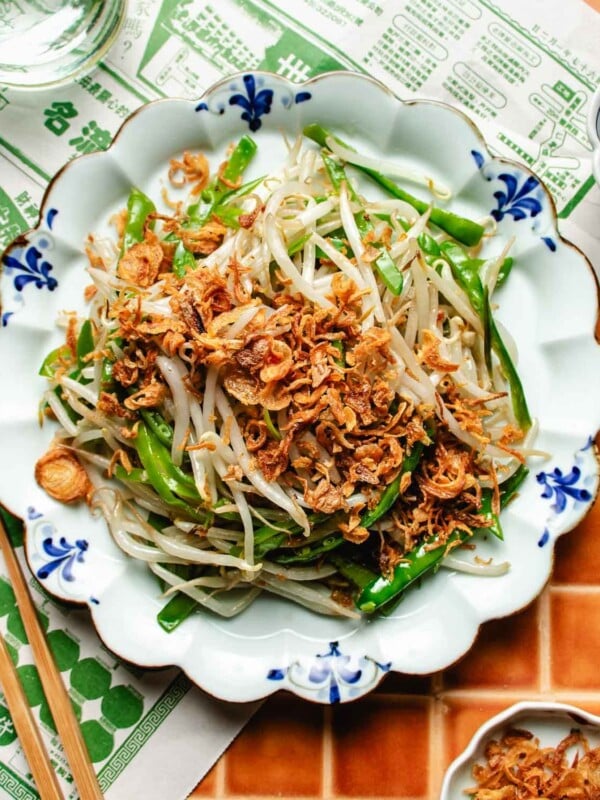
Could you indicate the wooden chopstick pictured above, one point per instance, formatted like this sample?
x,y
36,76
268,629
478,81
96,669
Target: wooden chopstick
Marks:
x,y
52,683
27,730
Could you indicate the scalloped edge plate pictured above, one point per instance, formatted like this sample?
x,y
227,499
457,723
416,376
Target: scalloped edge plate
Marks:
x,y
550,306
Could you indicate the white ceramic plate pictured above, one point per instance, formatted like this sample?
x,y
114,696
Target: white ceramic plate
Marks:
x,y
549,722
549,304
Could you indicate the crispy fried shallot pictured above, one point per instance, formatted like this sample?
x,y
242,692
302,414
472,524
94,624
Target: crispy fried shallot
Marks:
x,y
517,768
61,475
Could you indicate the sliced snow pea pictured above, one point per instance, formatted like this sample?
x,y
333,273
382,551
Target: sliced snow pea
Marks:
x,y
462,229
421,560
339,346
298,243
85,342
183,260
228,215
216,196
199,213
135,475
360,575
388,271
414,564
519,402
392,491
106,376
165,480
271,427
55,359
178,609
241,191
309,552
139,206
466,273
240,158
62,354
158,425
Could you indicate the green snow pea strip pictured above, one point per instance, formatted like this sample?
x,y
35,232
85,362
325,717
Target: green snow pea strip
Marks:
x,y
85,343
388,272
392,491
54,360
466,274
421,560
136,475
199,213
462,229
213,201
239,159
244,189
271,427
106,376
158,425
340,361
139,206
230,214
216,196
165,480
297,244
519,402
415,564
310,552
61,354
183,260
178,609
325,536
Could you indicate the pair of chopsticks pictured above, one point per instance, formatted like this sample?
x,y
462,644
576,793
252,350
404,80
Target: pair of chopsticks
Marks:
x,y
56,695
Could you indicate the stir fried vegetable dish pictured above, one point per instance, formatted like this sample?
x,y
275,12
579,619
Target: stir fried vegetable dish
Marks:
x,y
293,383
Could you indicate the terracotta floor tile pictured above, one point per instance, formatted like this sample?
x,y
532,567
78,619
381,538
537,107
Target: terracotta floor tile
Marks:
x,y
575,639
505,655
463,717
399,683
279,752
578,552
208,785
380,747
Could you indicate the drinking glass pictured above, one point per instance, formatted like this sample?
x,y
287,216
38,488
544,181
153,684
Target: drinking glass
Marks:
x,y
48,42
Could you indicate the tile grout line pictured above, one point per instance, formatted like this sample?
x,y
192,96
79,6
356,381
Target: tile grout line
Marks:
x,y
436,735
220,777
575,588
327,756
545,640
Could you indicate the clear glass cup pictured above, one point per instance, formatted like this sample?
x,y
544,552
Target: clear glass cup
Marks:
x,y
48,42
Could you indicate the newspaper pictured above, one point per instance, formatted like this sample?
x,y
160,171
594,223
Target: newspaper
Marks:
x,y
524,72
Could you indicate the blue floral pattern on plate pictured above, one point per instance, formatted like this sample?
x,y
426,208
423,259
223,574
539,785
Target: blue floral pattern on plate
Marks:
x,y
256,99
521,197
332,676
29,265
519,200
62,556
563,486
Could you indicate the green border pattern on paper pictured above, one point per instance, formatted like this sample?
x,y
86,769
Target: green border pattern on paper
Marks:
x,y
15,786
143,731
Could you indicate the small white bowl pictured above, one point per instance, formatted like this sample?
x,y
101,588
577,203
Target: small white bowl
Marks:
x,y
593,127
549,722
